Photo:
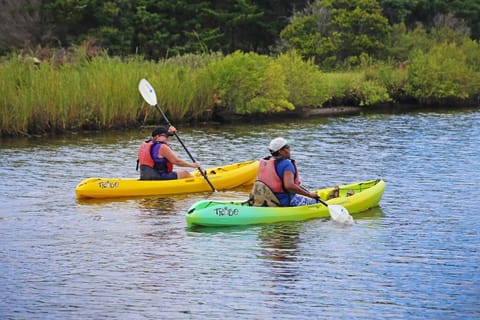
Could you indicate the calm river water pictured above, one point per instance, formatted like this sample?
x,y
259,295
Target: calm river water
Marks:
x,y
414,257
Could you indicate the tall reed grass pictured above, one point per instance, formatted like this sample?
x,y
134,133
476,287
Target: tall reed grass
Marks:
x,y
96,93
101,92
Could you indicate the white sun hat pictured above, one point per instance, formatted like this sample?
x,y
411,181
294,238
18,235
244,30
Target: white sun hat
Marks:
x,y
277,144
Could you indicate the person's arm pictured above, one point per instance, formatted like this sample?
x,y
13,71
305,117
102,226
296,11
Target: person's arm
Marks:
x,y
167,153
289,183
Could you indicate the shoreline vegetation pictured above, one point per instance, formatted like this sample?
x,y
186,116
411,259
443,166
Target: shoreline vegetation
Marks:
x,y
84,91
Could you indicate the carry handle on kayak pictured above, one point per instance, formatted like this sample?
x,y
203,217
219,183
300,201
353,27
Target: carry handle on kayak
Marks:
x,y
148,94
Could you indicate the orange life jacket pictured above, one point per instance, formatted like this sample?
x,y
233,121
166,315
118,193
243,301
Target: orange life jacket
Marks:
x,y
145,157
267,173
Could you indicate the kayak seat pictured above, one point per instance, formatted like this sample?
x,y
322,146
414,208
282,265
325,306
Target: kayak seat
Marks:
x,y
262,196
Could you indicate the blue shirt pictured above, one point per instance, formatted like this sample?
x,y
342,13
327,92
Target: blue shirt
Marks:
x,y
282,166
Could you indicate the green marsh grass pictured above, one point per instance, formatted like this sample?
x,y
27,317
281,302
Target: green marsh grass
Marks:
x,y
101,92
97,93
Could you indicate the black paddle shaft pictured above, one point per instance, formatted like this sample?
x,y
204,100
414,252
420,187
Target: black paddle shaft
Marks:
x,y
322,202
184,147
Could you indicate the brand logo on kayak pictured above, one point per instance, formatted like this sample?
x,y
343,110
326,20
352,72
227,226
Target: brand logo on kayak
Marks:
x,y
226,211
108,185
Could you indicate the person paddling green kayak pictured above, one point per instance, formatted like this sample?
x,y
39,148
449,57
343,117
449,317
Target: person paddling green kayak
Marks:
x,y
279,173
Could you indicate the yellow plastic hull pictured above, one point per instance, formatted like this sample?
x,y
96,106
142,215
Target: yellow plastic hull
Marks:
x,y
222,178
212,213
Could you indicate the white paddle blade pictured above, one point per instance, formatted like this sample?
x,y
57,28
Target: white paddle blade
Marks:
x,y
340,214
147,92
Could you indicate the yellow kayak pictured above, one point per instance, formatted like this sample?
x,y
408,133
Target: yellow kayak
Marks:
x,y
222,178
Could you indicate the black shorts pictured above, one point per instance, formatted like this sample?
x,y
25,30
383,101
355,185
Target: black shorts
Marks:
x,y
147,173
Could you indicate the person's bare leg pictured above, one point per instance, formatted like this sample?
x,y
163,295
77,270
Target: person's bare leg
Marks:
x,y
181,174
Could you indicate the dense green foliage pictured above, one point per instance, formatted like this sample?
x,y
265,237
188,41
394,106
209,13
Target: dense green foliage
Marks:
x,y
101,92
207,58
463,16
263,90
341,31
158,29
165,28
303,81
442,72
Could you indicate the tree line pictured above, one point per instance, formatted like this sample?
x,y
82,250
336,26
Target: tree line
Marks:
x,y
74,65
334,32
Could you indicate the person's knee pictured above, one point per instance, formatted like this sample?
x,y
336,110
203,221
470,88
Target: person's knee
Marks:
x,y
184,174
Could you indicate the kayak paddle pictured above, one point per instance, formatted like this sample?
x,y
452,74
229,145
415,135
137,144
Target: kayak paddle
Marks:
x,y
148,94
337,212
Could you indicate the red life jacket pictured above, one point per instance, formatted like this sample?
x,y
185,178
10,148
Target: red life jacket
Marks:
x,y
267,173
146,158
144,155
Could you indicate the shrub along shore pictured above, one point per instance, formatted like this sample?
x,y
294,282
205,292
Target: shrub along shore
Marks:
x,y
101,92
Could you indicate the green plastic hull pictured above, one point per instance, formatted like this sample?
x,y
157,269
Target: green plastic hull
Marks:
x,y
212,213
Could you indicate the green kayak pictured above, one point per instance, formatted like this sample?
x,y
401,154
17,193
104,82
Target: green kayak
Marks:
x,y
355,197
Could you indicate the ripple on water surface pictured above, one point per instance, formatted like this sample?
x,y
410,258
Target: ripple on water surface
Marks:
x,y
414,257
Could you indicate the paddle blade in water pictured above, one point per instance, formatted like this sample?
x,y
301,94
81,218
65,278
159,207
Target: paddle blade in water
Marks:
x,y
340,214
147,92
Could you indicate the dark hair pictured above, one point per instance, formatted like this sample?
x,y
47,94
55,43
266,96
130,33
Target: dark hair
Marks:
x,y
160,130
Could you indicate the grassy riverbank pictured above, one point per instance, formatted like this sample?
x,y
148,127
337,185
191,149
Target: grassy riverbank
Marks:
x,y
101,92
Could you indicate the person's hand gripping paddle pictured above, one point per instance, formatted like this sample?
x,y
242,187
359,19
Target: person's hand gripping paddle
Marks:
x,y
148,94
